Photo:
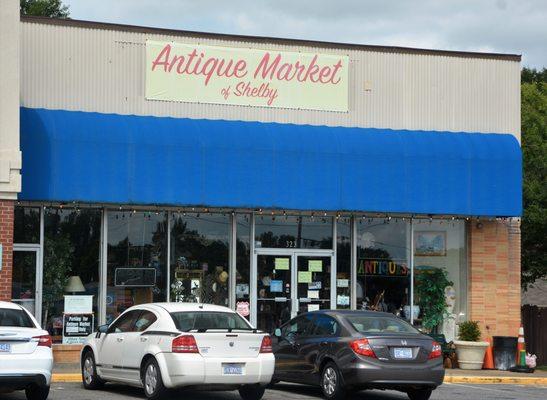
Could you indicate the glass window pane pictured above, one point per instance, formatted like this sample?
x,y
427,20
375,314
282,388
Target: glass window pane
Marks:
x,y
26,227
303,232
137,260
71,262
440,258
343,263
15,318
23,287
383,272
243,264
200,245
187,321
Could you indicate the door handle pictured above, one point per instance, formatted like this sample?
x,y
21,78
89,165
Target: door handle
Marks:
x,y
324,343
119,339
143,339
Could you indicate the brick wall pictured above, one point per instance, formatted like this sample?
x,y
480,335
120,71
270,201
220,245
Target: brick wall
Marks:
x,y
494,276
6,238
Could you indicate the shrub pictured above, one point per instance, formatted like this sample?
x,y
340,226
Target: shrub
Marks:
x,y
470,331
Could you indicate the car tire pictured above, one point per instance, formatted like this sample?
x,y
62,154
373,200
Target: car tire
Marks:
x,y
37,392
90,378
152,381
251,392
332,384
419,394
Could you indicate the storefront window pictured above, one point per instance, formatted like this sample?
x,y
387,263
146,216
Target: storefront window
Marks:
x,y
383,267
137,260
440,274
200,246
343,263
243,264
26,228
302,232
71,263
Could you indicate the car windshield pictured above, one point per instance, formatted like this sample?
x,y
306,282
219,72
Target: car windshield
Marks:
x,y
371,324
204,320
15,318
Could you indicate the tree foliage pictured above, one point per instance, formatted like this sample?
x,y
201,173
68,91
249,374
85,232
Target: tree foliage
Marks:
x,y
45,8
534,153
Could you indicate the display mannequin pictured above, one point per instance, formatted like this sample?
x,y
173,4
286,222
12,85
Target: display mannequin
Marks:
x,y
449,322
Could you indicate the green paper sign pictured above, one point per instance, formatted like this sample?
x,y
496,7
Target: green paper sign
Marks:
x,y
282,264
315,265
304,277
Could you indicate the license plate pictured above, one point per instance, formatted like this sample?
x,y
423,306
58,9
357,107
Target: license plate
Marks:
x,y
5,348
402,353
232,369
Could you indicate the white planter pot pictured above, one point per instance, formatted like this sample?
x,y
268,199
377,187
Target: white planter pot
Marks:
x,y
470,354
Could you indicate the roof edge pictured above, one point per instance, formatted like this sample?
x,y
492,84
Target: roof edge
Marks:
x,y
266,39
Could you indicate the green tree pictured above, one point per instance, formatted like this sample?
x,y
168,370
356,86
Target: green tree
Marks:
x,y
534,153
45,8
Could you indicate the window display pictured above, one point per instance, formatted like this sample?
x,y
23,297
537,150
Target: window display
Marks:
x,y
440,274
200,245
136,260
383,265
71,263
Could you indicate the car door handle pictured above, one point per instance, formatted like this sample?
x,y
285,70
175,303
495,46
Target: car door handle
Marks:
x,y
143,339
324,343
119,339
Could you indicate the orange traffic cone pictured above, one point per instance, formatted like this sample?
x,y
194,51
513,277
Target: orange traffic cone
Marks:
x,y
488,356
521,354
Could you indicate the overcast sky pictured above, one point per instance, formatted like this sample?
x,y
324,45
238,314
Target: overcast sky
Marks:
x,y
502,26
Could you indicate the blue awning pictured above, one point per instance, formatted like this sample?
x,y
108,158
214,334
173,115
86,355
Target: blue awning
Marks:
x,y
107,158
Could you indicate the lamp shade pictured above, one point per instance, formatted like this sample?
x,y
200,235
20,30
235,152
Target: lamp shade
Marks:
x,y
74,285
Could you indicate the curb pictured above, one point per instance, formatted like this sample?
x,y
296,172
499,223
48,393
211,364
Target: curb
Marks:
x,y
490,380
66,378
484,380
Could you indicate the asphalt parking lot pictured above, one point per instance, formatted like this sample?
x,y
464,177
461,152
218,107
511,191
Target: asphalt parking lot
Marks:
x,y
75,391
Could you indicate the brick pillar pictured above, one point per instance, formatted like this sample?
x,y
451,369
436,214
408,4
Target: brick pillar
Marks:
x,y
494,276
6,239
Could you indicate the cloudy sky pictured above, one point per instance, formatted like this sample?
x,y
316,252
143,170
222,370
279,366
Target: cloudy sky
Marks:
x,y
502,26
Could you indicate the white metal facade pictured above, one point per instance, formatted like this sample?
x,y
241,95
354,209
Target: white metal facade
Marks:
x,y
90,68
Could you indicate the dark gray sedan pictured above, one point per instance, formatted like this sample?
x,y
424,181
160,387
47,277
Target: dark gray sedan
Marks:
x,y
345,351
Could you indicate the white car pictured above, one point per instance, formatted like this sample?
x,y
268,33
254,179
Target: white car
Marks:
x,y
26,359
161,346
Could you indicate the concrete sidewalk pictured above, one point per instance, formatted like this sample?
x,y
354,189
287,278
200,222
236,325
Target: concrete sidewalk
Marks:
x,y
71,373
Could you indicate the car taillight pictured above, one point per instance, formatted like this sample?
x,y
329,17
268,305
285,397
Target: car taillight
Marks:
x,y
44,340
266,346
362,347
436,351
184,344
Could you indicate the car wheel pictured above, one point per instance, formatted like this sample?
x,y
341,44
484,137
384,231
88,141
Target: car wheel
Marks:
x,y
419,394
90,379
252,392
331,382
36,392
152,381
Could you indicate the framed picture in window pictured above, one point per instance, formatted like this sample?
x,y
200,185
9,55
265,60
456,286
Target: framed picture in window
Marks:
x,y
430,244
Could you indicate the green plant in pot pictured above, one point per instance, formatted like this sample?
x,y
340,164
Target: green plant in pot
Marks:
x,y
430,295
469,349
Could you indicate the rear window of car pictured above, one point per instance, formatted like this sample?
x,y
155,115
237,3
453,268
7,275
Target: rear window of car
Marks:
x,y
15,318
370,324
205,320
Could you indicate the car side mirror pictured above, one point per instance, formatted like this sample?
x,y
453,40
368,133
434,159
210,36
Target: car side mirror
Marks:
x,y
101,329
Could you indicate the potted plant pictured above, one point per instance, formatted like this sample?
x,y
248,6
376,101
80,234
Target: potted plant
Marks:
x,y
469,348
430,295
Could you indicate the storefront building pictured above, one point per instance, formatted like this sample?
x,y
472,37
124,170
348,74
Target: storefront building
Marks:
x,y
271,176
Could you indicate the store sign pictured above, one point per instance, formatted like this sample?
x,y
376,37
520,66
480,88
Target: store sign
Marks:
x,y
250,77
381,267
76,327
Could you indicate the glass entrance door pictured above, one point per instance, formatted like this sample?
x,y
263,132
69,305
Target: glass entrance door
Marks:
x,y
274,294
26,280
289,282
314,283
